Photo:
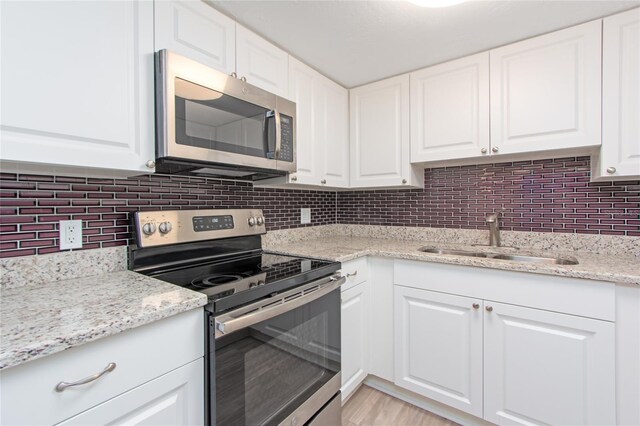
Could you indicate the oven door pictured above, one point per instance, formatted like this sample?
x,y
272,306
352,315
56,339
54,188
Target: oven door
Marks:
x,y
277,361
206,116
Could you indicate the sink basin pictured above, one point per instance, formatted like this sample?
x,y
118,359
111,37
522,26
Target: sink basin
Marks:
x,y
535,259
499,256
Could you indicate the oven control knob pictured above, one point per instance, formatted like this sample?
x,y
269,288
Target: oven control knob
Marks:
x,y
260,220
148,228
252,221
164,227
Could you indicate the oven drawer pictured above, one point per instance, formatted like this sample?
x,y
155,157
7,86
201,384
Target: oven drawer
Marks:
x,y
141,354
355,271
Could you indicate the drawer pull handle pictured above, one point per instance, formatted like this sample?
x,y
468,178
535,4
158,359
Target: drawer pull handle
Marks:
x,y
489,308
63,385
353,274
476,305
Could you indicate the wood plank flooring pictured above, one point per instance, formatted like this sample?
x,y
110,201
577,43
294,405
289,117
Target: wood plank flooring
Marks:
x,y
370,407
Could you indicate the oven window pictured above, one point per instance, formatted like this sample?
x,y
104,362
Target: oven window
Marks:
x,y
211,120
264,372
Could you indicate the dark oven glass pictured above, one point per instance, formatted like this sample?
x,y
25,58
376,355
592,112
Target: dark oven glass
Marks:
x,y
209,119
264,372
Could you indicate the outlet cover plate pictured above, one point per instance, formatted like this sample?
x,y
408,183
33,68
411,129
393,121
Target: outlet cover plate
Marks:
x,y
305,216
70,234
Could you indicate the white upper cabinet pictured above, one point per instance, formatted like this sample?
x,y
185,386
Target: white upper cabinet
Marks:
x,y
450,110
379,135
77,85
261,63
333,151
198,31
546,91
620,153
322,144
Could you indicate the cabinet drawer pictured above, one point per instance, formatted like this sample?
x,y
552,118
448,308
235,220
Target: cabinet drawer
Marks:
x,y
355,271
576,296
140,355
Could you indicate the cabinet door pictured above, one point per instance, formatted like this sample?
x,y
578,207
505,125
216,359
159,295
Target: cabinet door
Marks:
x,y
261,63
542,367
379,118
438,343
77,84
333,151
620,153
354,336
450,110
304,91
177,398
545,91
198,31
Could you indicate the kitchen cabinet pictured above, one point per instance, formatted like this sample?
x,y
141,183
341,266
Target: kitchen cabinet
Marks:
x,y
261,63
438,341
158,375
547,368
450,110
171,399
77,87
506,346
198,31
322,128
546,91
619,157
354,338
355,328
380,135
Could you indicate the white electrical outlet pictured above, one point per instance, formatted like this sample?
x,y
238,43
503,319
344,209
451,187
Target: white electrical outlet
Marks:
x,y
305,216
70,234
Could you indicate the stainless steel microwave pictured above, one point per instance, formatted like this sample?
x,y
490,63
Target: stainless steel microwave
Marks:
x,y
210,123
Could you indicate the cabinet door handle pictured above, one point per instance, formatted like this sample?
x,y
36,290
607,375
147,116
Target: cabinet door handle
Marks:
x,y
611,170
234,74
476,305
63,385
243,78
353,274
495,149
489,308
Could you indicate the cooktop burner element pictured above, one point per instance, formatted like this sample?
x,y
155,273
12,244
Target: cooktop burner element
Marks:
x,y
213,280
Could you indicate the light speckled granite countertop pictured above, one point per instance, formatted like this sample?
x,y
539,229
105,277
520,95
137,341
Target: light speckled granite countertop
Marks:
x,y
40,320
618,268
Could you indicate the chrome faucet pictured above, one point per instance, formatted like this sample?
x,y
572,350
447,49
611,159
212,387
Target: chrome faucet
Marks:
x,y
494,228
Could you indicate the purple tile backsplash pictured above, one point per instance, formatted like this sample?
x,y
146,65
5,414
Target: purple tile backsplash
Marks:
x,y
31,206
543,195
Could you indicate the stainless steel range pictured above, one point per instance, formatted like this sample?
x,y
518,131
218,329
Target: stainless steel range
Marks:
x,y
273,321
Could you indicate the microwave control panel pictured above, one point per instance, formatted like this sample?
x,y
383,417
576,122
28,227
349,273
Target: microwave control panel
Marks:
x,y
286,129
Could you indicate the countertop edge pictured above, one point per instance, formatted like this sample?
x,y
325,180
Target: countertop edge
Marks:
x,y
556,270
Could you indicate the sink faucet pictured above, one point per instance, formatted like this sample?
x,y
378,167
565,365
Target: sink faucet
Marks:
x,y
494,228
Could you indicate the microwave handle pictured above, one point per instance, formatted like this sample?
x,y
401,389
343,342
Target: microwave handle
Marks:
x,y
237,320
278,133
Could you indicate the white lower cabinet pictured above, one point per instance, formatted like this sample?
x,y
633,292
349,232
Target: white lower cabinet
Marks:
x,y
547,368
354,345
480,351
438,340
173,399
157,379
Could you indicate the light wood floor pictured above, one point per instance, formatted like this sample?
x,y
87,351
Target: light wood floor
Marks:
x,y
371,407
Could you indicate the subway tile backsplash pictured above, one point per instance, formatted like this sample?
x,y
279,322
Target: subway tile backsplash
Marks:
x,y
543,196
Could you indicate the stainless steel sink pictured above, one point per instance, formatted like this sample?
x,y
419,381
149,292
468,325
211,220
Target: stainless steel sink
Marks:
x,y
499,256
535,259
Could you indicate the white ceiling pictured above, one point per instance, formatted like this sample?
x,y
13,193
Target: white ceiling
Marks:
x,y
356,42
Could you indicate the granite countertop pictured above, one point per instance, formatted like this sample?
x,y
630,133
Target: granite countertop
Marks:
x,y
618,268
41,320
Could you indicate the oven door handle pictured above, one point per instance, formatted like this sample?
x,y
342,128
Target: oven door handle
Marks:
x,y
274,306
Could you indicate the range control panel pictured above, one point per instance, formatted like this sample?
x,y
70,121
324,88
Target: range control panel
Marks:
x,y
155,228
